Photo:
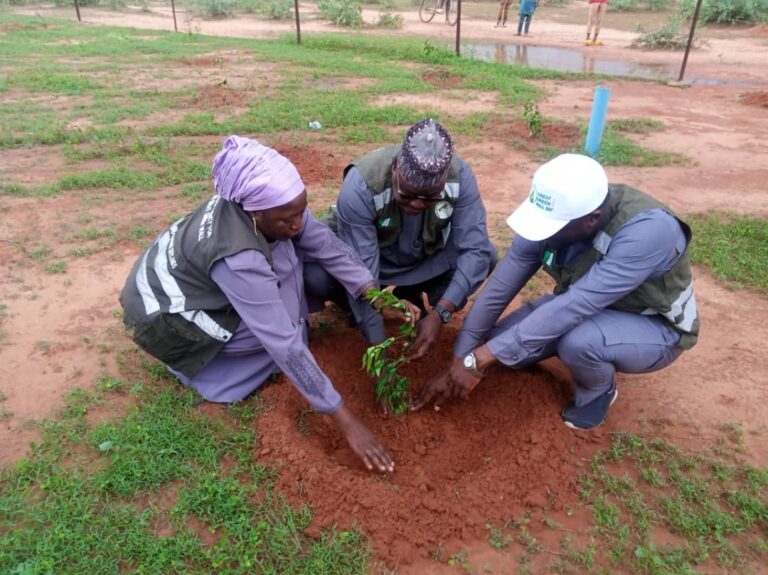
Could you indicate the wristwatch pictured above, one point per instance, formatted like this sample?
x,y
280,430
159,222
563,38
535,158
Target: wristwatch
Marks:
x,y
470,363
445,315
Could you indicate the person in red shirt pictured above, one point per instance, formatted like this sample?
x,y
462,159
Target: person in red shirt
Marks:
x,y
594,21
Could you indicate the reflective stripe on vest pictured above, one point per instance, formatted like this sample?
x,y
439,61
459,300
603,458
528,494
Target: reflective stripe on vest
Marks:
x,y
171,288
683,312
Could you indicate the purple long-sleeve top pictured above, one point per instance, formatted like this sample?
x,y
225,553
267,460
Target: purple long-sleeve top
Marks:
x,y
646,246
468,251
272,335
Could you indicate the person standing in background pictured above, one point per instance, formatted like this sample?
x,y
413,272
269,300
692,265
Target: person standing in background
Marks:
x,y
594,21
501,20
527,8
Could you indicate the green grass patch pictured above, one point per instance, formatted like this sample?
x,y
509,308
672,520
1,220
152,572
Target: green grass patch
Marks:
x,y
618,150
47,80
733,247
88,499
712,509
635,125
110,178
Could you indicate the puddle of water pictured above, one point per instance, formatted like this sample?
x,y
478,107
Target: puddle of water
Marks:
x,y
564,60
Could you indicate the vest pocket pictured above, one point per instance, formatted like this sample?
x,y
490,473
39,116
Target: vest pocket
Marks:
x,y
168,337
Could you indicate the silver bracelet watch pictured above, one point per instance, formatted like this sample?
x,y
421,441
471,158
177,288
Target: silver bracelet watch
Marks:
x,y
470,363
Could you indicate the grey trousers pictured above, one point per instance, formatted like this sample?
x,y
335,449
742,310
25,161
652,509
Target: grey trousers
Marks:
x,y
609,342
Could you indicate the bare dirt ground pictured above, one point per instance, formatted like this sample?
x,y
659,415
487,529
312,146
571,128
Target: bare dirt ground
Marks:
x,y
472,462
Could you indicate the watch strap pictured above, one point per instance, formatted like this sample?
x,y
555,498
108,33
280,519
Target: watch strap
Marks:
x,y
445,315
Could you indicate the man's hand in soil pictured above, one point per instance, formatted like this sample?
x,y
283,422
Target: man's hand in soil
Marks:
x,y
362,441
457,382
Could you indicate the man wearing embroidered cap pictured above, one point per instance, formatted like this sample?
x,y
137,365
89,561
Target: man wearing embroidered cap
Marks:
x,y
623,299
414,214
219,299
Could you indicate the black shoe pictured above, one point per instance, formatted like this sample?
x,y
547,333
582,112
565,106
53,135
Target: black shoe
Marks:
x,y
592,414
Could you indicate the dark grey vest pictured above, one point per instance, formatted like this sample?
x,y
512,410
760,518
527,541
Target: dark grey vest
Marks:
x,y
376,169
670,295
176,311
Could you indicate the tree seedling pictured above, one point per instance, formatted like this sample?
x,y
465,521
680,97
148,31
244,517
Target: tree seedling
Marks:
x,y
382,361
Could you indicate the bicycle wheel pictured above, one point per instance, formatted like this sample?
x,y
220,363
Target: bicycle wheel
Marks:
x,y
451,14
427,10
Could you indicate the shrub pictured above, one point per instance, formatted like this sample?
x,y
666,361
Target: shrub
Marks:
x,y
635,5
727,11
213,8
251,6
347,13
671,36
278,9
386,18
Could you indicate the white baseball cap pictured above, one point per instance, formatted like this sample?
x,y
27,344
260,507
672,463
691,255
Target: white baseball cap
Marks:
x,y
565,188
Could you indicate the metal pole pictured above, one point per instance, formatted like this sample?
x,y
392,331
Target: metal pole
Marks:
x,y
298,22
173,9
77,10
458,28
690,40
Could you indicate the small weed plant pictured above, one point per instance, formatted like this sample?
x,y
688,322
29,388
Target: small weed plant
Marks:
x,y
533,118
386,18
382,361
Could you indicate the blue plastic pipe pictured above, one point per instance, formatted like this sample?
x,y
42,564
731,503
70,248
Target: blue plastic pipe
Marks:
x,y
597,120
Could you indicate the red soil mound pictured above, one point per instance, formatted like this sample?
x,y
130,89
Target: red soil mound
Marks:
x,y
480,461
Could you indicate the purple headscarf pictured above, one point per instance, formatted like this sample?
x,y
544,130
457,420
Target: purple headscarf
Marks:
x,y
249,173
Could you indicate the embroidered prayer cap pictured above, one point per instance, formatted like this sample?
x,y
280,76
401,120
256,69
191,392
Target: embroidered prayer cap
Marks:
x,y
567,187
249,173
426,154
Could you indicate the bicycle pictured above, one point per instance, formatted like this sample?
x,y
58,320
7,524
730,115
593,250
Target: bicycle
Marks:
x,y
429,8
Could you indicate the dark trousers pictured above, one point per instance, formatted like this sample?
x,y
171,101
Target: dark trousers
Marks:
x,y
524,18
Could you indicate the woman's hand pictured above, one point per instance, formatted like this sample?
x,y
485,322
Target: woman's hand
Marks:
x,y
362,441
411,315
386,303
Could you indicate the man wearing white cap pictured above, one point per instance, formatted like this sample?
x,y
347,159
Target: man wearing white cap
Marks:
x,y
623,300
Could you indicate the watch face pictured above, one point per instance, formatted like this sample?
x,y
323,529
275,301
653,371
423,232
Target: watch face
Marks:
x,y
469,361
